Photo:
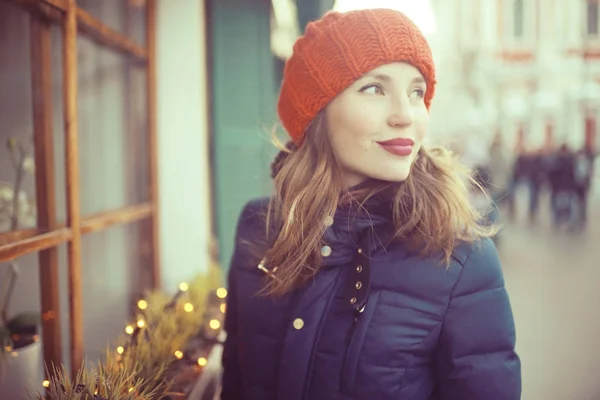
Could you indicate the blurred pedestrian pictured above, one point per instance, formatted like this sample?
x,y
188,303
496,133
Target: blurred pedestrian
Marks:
x,y
561,178
537,175
500,170
518,178
584,169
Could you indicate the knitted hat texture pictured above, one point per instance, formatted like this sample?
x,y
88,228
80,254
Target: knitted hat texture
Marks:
x,y
338,49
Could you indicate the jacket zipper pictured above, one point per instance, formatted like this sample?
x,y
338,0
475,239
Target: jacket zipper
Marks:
x,y
349,336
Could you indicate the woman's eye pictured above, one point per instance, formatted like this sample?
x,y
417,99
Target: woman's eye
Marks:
x,y
417,94
372,89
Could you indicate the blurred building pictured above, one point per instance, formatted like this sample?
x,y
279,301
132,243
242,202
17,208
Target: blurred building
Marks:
x,y
528,69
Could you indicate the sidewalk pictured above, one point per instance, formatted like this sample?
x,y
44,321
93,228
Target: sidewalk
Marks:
x,y
552,278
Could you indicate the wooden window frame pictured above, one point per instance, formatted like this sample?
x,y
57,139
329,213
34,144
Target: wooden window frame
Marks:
x,y
49,233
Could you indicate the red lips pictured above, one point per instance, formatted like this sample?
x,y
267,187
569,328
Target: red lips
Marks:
x,y
398,142
399,146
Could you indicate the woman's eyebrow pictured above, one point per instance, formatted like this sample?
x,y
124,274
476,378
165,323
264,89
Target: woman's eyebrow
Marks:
x,y
379,76
386,78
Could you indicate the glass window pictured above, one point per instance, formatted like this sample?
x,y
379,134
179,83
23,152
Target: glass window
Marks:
x,y
592,18
518,21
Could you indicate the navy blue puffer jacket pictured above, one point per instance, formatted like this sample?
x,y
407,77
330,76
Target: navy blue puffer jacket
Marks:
x,y
378,322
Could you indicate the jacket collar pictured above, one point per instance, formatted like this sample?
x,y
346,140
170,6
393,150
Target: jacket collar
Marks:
x,y
351,222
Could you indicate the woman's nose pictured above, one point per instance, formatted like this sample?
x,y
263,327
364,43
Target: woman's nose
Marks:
x,y
402,114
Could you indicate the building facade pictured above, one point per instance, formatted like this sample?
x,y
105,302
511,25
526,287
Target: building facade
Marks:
x,y
528,69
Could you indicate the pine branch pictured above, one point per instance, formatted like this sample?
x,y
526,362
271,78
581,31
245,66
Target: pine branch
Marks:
x,y
153,357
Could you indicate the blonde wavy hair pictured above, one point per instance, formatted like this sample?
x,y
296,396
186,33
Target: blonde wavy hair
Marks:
x,y
431,209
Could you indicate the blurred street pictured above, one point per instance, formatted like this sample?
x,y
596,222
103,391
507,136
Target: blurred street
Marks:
x,y
552,277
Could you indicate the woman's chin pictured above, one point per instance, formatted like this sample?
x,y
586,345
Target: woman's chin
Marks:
x,y
398,175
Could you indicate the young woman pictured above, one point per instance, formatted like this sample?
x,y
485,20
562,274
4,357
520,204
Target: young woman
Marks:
x,y
367,275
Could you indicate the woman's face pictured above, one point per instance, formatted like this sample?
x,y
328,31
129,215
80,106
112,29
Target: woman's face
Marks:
x,y
377,124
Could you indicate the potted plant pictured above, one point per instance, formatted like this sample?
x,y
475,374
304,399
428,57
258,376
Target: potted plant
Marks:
x,y
20,348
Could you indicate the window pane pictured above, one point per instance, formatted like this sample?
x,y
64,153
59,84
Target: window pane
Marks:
x,y
17,180
112,279
592,18
112,130
124,16
113,276
113,144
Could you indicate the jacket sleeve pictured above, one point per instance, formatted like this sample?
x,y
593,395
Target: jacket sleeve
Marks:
x,y
232,383
475,358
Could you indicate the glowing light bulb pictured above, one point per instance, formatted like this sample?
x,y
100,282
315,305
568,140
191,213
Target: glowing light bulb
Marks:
x,y
221,293
178,354
183,287
142,304
129,329
46,383
202,361
120,349
188,307
222,307
214,324
141,323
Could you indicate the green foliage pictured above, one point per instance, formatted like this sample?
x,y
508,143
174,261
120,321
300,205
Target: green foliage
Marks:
x,y
96,382
135,368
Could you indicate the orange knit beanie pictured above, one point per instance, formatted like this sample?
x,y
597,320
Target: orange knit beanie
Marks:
x,y
337,50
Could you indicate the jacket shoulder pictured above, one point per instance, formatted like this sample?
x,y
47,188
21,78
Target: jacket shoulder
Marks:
x,y
254,212
480,267
251,232
480,247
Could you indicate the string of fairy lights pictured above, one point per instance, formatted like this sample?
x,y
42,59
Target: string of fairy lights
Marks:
x,y
133,330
